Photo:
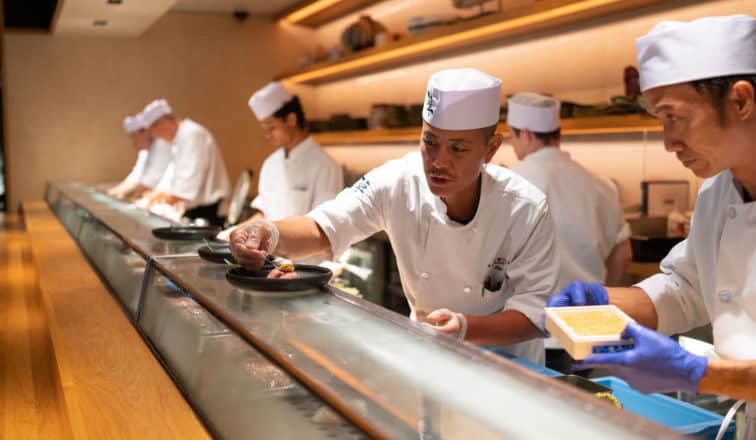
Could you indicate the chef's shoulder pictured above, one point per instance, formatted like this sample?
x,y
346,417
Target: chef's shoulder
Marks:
x,y
195,133
391,176
517,191
715,191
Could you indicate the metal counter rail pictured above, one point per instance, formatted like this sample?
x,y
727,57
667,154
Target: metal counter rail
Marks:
x,y
389,376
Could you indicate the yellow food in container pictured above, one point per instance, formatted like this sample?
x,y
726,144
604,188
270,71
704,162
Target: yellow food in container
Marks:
x,y
587,330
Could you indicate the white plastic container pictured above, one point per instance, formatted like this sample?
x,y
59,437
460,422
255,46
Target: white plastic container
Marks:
x,y
587,330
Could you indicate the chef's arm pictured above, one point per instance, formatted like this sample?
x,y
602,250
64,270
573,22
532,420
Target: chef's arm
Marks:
x,y
300,237
635,302
617,261
503,328
733,378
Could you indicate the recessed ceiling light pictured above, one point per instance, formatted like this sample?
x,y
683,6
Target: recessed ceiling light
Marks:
x,y
100,22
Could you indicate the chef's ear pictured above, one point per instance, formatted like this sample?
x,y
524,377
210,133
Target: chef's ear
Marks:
x,y
494,142
291,120
742,96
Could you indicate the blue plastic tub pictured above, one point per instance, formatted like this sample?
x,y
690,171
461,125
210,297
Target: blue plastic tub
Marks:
x,y
664,410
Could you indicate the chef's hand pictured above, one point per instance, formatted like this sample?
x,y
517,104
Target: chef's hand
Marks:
x,y
657,364
579,293
448,322
252,242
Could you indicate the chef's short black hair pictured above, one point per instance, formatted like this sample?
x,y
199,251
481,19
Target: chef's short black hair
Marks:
x,y
716,90
545,137
292,106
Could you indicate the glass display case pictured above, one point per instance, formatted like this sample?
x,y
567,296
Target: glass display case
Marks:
x,y
317,363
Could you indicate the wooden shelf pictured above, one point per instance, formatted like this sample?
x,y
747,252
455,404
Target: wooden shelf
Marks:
x,y
571,126
544,14
314,13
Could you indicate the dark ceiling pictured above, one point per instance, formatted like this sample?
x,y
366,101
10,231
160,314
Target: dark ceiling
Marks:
x,y
29,14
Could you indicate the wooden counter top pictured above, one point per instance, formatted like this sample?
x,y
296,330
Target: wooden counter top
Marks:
x,y
112,385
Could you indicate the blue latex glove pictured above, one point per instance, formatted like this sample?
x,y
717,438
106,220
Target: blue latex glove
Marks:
x,y
579,293
657,364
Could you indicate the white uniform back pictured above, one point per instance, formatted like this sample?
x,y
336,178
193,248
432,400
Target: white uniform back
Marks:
x,y
586,212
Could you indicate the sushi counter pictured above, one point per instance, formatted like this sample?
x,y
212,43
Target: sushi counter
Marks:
x,y
320,363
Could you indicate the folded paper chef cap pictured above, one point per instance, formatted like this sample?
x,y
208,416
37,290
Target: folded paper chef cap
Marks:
x,y
269,100
676,52
132,124
155,110
462,99
534,112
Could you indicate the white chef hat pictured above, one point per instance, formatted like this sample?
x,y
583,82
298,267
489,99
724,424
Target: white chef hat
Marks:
x,y
462,99
534,112
675,52
155,110
269,100
134,123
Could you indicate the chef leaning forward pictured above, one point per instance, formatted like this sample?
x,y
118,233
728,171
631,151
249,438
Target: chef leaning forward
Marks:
x,y
699,79
196,178
299,175
152,160
474,242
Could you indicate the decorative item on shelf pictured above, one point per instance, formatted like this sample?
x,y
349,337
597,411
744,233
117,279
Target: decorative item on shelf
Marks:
x,y
342,121
632,83
467,4
396,116
415,115
377,118
361,34
319,125
416,25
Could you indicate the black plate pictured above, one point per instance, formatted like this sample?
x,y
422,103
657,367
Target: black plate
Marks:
x,y
309,277
216,256
186,232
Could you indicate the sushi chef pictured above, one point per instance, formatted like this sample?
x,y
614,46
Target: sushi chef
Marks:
x,y
298,175
699,79
592,234
153,158
474,242
196,181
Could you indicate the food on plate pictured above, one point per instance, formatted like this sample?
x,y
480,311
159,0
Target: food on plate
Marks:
x,y
593,322
284,265
610,397
279,274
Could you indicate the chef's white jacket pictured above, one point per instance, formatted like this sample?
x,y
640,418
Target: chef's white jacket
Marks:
x,y
504,258
711,276
586,212
296,184
151,164
135,175
197,172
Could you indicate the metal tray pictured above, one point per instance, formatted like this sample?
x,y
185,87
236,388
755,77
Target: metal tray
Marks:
x,y
309,277
186,232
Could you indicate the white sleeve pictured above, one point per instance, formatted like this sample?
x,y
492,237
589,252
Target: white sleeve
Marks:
x,y
191,167
259,202
676,292
357,212
533,264
135,176
328,184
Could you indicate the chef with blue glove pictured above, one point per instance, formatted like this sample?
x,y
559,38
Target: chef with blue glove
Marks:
x,y
699,80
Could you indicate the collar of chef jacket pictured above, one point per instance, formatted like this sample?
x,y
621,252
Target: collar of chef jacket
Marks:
x,y
300,150
547,152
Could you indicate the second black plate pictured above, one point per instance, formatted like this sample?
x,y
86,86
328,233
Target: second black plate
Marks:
x,y
186,232
309,277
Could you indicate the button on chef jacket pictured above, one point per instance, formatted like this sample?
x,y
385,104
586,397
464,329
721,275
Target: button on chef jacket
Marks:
x,y
585,209
504,258
151,164
197,172
296,184
711,276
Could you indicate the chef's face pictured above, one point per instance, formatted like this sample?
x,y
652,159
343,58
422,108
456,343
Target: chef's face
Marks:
x,y
141,139
454,159
693,128
279,132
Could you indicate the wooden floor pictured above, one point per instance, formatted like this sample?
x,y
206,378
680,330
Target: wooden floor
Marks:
x,y
30,404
